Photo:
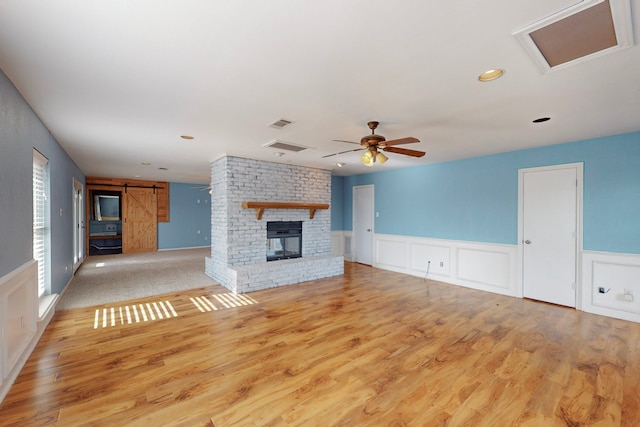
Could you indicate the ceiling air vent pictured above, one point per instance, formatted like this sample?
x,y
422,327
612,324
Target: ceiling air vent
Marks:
x,y
280,123
287,146
590,29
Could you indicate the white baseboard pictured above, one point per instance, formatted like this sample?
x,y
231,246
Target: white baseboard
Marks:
x,y
190,247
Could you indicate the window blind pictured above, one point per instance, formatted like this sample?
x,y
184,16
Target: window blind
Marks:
x,y
41,225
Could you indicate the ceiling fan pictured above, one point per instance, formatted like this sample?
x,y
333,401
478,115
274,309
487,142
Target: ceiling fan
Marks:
x,y
372,143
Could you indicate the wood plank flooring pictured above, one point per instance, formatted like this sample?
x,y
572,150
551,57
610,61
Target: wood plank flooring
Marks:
x,y
370,348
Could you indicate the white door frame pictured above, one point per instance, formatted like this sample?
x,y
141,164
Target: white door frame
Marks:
x,y
79,252
354,255
579,196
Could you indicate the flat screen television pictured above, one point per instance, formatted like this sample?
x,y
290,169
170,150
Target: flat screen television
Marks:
x,y
107,208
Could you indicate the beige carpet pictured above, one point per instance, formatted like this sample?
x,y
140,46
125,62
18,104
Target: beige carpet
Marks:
x,y
105,279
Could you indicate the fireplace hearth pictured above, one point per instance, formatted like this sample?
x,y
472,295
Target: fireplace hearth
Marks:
x,y
284,240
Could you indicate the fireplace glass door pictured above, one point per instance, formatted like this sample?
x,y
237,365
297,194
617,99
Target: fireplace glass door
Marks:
x,y
284,240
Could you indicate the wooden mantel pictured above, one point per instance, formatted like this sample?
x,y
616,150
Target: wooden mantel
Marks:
x,y
261,206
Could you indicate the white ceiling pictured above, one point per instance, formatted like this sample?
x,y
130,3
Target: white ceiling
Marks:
x,y
117,82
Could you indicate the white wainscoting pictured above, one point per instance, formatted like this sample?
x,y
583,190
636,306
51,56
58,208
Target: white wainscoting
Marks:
x,y
483,266
18,317
617,274
495,268
20,324
341,244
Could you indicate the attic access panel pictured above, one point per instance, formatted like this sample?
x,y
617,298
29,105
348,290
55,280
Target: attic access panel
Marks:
x,y
587,30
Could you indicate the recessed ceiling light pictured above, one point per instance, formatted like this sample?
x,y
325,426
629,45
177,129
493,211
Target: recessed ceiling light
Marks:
x,y
489,75
186,137
340,165
145,164
542,120
278,154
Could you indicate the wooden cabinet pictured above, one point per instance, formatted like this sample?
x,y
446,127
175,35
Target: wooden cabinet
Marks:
x,y
142,204
161,189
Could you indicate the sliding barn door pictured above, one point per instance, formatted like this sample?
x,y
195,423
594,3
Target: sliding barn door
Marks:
x,y
140,220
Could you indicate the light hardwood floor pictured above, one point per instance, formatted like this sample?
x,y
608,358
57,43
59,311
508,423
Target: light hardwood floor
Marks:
x,y
370,348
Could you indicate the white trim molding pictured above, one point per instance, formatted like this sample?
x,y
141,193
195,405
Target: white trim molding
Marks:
x,y
483,266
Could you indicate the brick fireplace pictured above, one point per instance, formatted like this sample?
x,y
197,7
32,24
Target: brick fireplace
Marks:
x,y
239,239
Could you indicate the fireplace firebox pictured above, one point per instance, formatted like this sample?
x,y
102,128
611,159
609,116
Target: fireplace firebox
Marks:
x,y
284,240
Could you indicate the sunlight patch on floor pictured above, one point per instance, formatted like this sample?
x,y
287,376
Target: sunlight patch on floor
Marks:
x,y
227,300
134,313
203,304
150,311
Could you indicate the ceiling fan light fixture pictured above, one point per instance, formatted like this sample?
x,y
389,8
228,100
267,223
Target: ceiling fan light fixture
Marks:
x,y
490,75
381,158
367,159
375,144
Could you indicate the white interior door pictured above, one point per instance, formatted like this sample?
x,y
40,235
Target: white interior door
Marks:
x,y
363,224
549,232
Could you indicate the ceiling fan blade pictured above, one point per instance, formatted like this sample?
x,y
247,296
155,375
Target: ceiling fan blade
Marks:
x,y
342,140
406,152
407,140
342,152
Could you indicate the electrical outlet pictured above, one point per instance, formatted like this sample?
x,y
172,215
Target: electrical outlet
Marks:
x,y
441,264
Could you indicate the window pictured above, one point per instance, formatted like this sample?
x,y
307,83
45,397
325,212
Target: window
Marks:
x,y
78,223
41,223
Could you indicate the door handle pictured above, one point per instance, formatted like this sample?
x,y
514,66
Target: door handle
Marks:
x,y
368,229
528,242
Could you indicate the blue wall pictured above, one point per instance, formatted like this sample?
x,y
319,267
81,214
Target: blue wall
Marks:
x,y
20,132
337,203
189,211
477,199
